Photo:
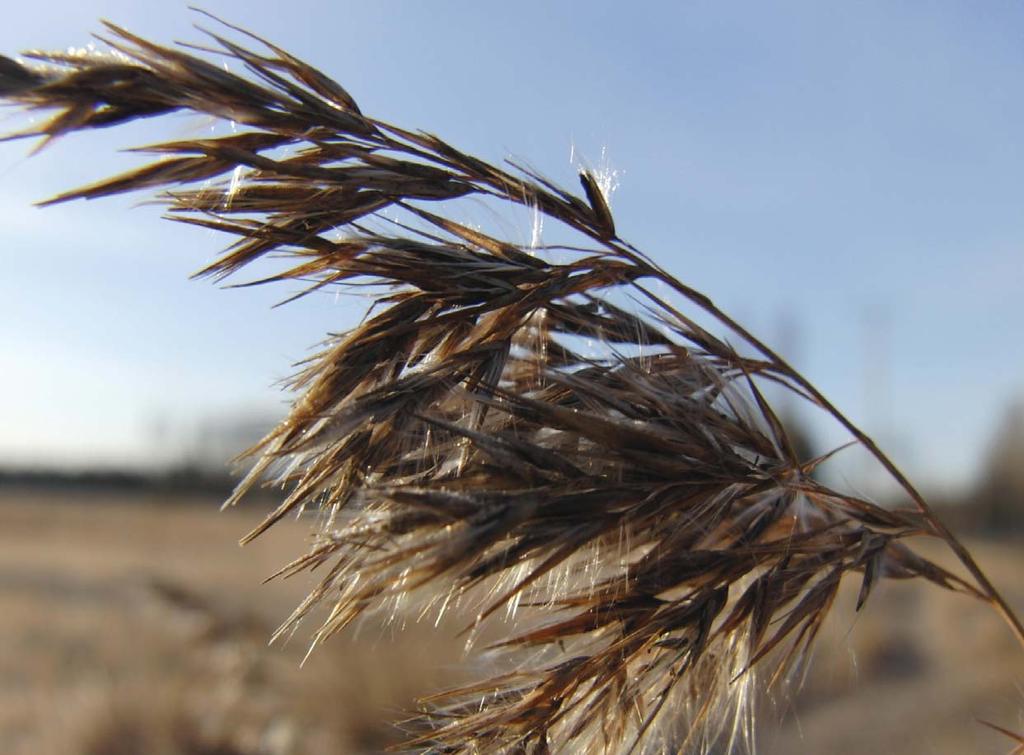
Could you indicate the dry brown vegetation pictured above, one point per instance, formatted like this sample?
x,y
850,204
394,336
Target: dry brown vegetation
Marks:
x,y
636,506
137,625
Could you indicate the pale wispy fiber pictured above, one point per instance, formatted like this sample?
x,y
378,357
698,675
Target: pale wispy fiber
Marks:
x,y
544,435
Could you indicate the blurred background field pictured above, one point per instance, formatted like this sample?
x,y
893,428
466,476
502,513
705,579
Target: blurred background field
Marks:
x,y
133,623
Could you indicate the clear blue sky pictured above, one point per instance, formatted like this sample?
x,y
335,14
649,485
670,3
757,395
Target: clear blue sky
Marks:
x,y
846,178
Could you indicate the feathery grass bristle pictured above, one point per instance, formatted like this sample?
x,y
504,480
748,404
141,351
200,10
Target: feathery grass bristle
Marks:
x,y
637,508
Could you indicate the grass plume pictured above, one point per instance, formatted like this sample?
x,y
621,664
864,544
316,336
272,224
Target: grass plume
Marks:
x,y
639,510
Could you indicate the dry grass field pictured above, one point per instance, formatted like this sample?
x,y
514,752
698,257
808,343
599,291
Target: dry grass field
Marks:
x,y
137,625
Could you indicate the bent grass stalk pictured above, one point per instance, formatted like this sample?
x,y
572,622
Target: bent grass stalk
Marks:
x,y
638,510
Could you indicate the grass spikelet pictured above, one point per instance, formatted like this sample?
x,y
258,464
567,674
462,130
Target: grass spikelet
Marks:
x,y
637,509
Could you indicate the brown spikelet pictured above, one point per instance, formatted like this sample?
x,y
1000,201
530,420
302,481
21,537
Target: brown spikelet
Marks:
x,y
558,440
